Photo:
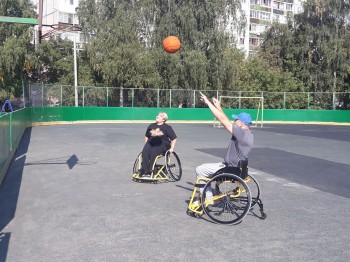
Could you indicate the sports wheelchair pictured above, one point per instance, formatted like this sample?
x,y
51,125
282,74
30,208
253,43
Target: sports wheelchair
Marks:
x,y
166,167
226,197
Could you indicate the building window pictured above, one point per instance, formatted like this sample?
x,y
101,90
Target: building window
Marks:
x,y
265,16
254,41
266,2
65,18
254,14
241,41
255,2
278,5
71,2
252,27
289,7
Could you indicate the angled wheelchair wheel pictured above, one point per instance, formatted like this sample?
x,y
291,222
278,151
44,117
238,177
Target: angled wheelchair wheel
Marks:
x,y
226,199
173,166
254,189
137,164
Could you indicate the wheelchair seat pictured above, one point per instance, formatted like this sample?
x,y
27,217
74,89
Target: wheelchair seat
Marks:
x,y
241,170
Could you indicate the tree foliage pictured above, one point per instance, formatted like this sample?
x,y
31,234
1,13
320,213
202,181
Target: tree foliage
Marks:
x,y
315,48
14,47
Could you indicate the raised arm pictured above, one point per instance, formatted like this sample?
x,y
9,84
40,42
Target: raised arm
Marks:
x,y
217,111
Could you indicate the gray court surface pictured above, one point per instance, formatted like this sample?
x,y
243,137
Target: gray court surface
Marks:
x,y
69,196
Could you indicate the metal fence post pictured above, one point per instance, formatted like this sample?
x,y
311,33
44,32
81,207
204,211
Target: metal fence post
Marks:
x,y
284,100
23,95
170,99
308,100
61,96
42,94
157,97
194,98
83,96
107,96
132,96
239,99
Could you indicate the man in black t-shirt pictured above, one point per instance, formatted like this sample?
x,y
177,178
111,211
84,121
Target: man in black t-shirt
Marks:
x,y
159,137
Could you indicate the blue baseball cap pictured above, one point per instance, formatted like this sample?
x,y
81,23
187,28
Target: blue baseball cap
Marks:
x,y
244,117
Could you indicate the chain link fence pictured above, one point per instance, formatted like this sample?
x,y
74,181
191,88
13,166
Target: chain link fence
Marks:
x,y
60,95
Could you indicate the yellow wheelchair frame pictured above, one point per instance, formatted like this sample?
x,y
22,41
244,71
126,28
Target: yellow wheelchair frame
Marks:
x,y
166,167
228,204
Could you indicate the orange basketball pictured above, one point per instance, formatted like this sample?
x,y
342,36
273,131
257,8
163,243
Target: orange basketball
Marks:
x,y
171,44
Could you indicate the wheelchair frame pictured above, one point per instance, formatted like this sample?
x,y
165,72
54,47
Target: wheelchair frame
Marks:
x,y
160,171
229,204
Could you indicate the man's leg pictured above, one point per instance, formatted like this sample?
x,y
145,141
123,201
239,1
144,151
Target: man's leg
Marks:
x,y
205,171
155,151
146,153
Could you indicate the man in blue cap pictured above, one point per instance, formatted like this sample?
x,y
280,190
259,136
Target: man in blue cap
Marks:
x,y
241,142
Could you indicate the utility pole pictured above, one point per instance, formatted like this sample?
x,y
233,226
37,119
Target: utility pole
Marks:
x,y
40,21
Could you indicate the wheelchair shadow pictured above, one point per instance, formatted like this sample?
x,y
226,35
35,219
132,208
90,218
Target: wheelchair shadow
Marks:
x,y
186,188
253,213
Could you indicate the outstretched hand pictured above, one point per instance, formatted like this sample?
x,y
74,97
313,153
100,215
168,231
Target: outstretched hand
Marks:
x,y
216,102
204,98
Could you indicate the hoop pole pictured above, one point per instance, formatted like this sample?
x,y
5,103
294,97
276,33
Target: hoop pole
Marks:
x,y
75,71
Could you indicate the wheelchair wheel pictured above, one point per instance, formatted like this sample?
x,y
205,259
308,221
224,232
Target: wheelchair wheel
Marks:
x,y
173,166
226,199
137,164
254,189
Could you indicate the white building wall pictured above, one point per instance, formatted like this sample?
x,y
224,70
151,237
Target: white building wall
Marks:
x,y
57,17
260,14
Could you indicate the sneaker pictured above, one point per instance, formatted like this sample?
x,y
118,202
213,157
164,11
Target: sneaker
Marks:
x,y
145,175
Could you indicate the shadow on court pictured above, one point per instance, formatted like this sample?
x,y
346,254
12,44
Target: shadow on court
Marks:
x,y
317,173
9,192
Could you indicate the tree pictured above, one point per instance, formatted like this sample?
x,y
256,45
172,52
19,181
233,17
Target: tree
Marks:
x,y
14,48
315,50
121,32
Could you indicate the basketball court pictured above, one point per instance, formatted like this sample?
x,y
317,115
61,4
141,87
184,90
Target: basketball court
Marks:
x,y
69,196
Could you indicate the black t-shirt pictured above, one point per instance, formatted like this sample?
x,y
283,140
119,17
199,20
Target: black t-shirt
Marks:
x,y
167,136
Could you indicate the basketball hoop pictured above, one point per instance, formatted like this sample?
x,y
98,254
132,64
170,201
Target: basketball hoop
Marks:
x,y
61,27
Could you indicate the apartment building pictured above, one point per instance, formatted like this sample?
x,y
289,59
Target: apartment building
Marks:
x,y
260,14
59,19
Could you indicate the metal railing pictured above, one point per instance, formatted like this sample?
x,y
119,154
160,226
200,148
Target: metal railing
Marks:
x,y
60,95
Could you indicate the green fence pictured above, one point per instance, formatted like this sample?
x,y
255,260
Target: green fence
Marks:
x,y
68,114
12,127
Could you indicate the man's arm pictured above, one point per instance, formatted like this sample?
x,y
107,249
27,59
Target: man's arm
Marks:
x,y
172,145
217,112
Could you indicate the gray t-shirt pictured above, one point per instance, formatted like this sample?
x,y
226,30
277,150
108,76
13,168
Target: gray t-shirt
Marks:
x,y
241,143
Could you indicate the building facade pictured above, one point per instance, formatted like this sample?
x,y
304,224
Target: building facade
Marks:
x,y
59,19
260,14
